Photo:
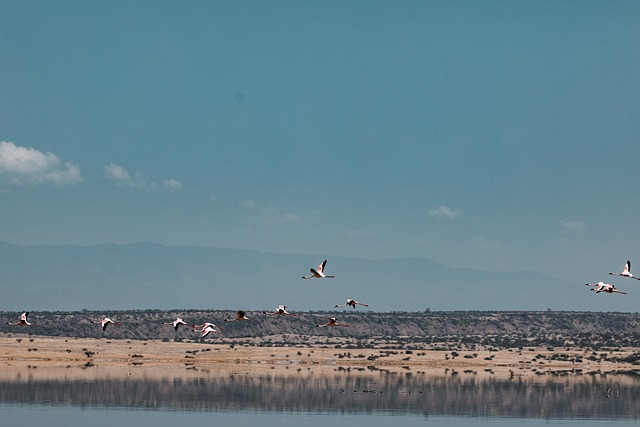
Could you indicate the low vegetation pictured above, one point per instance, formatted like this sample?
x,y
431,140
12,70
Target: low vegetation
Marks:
x,y
397,330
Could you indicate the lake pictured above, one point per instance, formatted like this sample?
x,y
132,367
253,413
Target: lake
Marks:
x,y
171,396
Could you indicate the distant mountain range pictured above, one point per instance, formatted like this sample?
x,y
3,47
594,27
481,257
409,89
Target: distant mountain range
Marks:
x,y
148,275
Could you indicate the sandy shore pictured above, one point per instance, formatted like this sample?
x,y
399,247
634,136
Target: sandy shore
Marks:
x,y
23,351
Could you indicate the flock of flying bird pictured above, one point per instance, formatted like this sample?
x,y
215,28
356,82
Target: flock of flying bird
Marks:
x,y
609,287
208,328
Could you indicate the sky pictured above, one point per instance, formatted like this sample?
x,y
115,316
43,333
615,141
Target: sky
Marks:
x,y
500,135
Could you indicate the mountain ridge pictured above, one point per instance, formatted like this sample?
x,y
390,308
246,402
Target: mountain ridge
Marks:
x,y
150,275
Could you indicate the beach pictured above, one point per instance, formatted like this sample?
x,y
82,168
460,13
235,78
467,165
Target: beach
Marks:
x,y
58,354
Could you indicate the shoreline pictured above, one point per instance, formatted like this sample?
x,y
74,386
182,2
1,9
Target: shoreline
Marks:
x,y
29,353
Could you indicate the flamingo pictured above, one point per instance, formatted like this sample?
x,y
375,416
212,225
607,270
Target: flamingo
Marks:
x,y
352,303
105,322
332,322
205,325
23,321
604,287
319,273
239,316
280,311
176,323
208,329
626,272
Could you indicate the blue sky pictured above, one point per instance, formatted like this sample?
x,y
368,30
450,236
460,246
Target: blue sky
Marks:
x,y
499,135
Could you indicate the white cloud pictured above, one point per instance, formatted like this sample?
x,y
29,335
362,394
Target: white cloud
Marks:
x,y
576,226
172,185
122,178
117,173
28,166
444,212
269,214
250,204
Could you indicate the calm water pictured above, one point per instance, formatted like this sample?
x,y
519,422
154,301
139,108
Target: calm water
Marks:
x,y
96,417
174,398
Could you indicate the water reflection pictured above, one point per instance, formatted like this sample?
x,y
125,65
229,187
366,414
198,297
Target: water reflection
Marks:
x,y
603,396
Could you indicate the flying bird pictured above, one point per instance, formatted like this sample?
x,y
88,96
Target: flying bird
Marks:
x,y
319,273
240,315
105,322
23,321
332,322
604,287
176,323
205,325
208,329
280,311
626,272
352,303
